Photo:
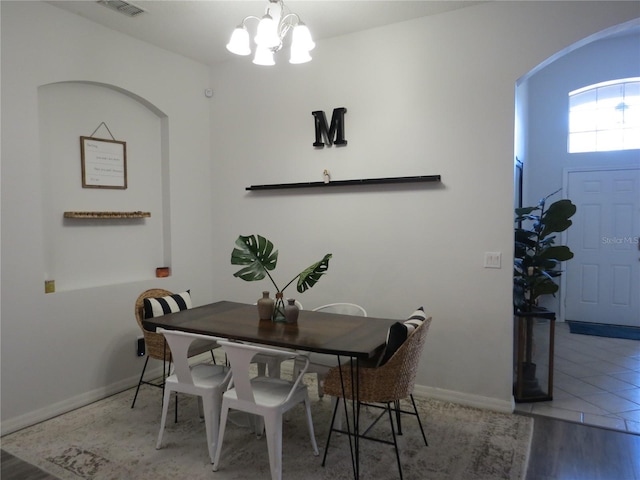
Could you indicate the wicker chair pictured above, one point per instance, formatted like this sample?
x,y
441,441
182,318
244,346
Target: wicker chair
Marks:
x,y
382,387
155,345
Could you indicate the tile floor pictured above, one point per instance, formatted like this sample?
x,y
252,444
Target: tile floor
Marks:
x,y
596,381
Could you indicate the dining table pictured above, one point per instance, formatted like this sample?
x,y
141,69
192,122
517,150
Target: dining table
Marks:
x,y
351,338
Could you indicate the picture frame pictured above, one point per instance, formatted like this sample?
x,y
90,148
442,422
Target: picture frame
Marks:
x,y
104,163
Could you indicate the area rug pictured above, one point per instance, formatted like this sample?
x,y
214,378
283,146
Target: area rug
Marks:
x,y
108,440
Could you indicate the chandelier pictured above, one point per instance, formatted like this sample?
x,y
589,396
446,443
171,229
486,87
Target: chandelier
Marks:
x,y
272,29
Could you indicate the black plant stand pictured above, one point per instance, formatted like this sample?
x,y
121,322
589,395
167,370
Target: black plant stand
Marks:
x,y
529,385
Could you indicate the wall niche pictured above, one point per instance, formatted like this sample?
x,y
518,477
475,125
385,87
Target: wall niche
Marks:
x,y
101,251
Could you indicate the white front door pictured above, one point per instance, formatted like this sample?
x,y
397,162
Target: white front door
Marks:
x,y
603,279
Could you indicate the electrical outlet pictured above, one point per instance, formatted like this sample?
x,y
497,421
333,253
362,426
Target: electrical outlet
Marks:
x,y
492,259
140,347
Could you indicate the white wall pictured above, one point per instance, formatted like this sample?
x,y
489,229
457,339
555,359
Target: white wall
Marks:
x,y
65,349
429,96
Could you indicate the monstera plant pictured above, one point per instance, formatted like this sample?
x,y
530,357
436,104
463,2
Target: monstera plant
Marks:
x,y
259,257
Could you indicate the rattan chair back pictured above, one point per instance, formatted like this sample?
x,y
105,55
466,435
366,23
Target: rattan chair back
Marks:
x,y
154,342
389,382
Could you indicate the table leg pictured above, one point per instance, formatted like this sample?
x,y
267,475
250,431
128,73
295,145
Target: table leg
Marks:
x,y
346,418
355,408
355,411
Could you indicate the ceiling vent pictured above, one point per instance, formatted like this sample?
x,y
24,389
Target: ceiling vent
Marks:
x,y
126,8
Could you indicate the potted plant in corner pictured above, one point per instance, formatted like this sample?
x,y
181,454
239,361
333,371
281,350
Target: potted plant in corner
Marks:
x,y
537,261
258,257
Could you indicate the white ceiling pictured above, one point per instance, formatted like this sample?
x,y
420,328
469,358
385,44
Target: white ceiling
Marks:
x,y
201,29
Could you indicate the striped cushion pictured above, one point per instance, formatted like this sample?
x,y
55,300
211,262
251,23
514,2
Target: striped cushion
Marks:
x,y
156,307
415,320
399,332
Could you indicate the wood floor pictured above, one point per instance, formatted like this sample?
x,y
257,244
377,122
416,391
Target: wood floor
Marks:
x,y
563,450
15,469
560,451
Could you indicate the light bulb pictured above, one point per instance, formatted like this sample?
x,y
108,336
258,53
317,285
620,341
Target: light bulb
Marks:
x,y
299,56
239,42
267,34
301,38
263,56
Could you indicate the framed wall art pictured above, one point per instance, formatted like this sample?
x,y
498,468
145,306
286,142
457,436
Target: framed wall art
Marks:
x,y
104,163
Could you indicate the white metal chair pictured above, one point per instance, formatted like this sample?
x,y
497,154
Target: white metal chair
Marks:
x,y
342,308
267,397
203,380
321,363
154,342
269,363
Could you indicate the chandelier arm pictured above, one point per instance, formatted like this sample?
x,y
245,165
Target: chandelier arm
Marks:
x,y
249,17
285,26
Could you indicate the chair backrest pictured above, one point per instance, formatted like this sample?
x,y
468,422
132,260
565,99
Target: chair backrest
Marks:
x,y
392,381
179,343
342,308
154,342
240,357
401,369
151,293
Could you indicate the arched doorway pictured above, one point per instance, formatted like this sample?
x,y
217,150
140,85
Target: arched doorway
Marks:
x,y
597,379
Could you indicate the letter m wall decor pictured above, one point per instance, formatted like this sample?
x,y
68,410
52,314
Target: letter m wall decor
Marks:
x,y
331,135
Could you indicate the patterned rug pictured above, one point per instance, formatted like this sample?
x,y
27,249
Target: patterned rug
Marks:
x,y
108,440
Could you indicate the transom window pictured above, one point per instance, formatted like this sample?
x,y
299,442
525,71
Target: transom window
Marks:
x,y
605,116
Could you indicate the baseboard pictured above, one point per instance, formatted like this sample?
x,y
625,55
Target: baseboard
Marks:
x,y
40,415
50,411
461,398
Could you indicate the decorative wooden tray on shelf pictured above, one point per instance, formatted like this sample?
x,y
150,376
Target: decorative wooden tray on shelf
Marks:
x,y
107,214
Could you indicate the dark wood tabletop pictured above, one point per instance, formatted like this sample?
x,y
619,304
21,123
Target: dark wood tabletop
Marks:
x,y
332,333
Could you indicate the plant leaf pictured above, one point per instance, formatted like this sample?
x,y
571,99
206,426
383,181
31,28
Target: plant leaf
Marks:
x,y
556,218
544,288
311,275
559,252
257,254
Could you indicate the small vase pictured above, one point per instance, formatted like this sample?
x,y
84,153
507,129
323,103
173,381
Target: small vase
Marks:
x,y
291,311
278,309
265,306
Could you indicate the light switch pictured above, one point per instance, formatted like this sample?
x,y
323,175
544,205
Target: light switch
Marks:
x,y
492,259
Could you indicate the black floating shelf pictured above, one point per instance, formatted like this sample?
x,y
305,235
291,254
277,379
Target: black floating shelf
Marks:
x,y
343,183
